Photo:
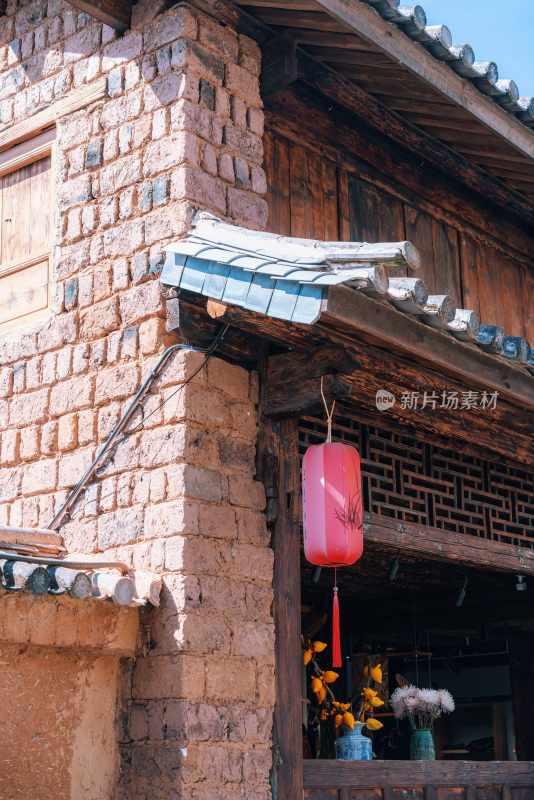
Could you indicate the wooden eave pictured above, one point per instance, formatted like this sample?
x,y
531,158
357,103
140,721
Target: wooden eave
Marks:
x,y
352,40
354,363
305,294
346,310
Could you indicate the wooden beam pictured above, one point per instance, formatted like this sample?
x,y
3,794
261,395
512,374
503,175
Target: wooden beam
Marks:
x,y
332,774
353,313
293,387
385,324
455,548
279,64
280,451
191,322
310,28
352,97
363,367
115,13
368,24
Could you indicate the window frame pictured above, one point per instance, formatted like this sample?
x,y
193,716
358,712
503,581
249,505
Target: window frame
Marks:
x,y
36,147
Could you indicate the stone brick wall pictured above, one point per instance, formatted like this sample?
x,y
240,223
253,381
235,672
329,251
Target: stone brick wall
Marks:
x,y
181,128
201,714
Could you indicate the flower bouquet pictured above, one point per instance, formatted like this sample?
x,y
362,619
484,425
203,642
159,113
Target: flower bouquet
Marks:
x,y
421,707
349,717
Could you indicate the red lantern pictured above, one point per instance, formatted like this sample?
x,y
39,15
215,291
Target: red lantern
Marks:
x,y
332,504
332,514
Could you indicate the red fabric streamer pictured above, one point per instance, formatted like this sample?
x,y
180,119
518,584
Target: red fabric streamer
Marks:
x,y
336,633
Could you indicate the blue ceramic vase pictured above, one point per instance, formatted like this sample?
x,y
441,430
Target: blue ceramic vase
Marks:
x,y
354,746
422,745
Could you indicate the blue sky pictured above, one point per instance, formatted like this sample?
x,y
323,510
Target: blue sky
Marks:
x,y
497,31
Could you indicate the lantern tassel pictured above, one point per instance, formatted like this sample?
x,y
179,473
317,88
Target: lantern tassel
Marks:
x,y
336,633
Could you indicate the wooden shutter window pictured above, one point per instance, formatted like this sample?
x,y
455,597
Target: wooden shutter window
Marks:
x,y
25,228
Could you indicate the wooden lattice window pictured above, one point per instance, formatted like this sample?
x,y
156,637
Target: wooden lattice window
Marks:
x,y
25,229
415,481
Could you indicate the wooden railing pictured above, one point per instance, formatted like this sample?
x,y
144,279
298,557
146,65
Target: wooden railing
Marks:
x,y
418,780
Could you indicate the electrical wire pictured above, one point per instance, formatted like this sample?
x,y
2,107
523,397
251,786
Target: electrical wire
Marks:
x,y
78,487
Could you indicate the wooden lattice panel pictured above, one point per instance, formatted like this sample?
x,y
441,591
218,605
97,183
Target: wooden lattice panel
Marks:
x,y
413,481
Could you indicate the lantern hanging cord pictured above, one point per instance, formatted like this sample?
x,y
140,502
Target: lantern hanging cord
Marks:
x,y
329,413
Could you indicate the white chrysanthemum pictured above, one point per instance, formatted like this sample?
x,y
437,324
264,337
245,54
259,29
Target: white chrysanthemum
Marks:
x,y
429,700
402,700
447,701
423,705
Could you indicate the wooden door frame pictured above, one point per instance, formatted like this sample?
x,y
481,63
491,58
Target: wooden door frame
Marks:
x,y
280,469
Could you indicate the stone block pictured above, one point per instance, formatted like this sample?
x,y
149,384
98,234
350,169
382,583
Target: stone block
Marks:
x,y
99,319
29,443
71,395
171,518
141,302
116,383
244,84
176,23
189,183
123,526
40,476
74,192
169,676
255,638
250,561
68,432
247,208
230,679
73,465
27,408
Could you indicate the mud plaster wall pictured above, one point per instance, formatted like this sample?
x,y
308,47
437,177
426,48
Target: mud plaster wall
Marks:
x,y
181,128
58,733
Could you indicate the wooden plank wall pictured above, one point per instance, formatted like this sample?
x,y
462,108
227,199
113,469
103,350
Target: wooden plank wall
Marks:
x,y
312,195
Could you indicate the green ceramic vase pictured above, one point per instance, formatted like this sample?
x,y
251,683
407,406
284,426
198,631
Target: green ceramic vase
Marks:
x,y
422,745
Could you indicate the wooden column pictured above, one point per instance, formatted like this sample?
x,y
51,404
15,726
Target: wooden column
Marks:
x,y
281,474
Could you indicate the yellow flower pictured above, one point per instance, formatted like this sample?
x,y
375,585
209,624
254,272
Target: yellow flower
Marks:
x,y
376,702
316,685
307,656
348,719
344,706
321,695
369,693
330,676
374,724
376,673
318,647
338,719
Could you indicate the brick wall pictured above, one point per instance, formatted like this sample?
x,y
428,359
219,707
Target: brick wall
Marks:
x,y
181,129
